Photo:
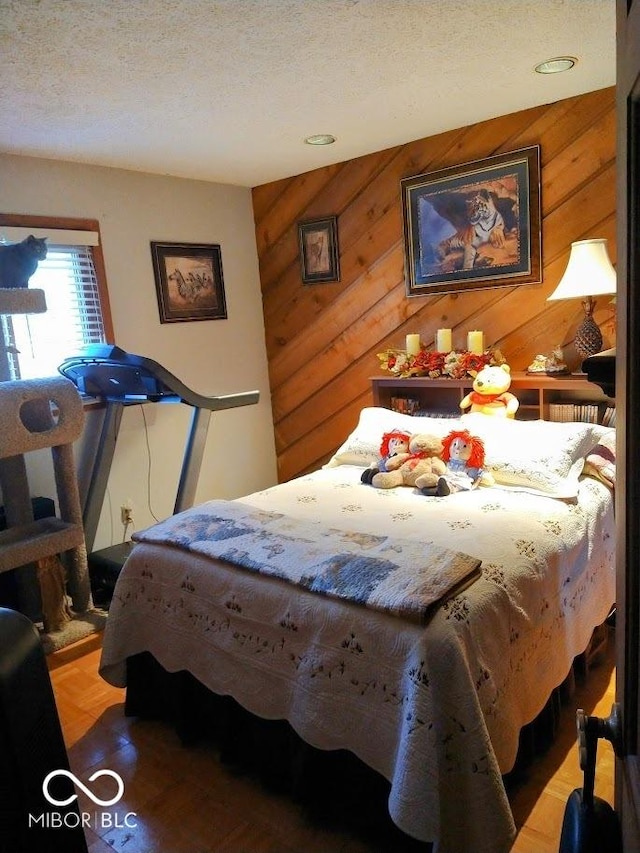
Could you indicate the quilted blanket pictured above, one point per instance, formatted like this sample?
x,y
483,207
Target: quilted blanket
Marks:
x,y
398,576
435,708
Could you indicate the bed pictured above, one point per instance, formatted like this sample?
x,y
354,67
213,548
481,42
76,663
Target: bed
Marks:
x,y
432,700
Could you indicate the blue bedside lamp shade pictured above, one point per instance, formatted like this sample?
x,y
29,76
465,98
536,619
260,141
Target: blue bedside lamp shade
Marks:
x,y
589,273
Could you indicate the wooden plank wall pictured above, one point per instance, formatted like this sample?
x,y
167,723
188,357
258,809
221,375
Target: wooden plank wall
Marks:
x,y
322,339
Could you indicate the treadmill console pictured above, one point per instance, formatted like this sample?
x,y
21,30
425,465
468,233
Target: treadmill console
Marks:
x,y
109,373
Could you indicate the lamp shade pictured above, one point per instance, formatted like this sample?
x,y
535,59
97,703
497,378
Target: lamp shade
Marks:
x,y
588,273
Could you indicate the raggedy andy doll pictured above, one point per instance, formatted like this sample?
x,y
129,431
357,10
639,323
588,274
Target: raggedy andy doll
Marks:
x,y
395,445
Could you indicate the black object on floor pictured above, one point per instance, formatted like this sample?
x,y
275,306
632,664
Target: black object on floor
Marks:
x,y
104,568
32,747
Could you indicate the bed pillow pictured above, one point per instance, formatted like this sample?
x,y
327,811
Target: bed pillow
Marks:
x,y
362,447
601,460
542,457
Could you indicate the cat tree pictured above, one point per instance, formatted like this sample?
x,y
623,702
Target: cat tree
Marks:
x,y
36,414
17,301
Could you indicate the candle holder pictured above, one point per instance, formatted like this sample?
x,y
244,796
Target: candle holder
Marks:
x,y
448,365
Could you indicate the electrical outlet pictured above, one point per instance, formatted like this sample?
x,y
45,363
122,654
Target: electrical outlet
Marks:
x,y
126,513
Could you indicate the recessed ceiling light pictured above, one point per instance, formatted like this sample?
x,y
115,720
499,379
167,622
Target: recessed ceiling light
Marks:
x,y
555,66
320,139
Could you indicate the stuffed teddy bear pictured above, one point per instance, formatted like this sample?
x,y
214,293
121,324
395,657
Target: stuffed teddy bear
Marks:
x,y
490,393
421,469
394,449
464,457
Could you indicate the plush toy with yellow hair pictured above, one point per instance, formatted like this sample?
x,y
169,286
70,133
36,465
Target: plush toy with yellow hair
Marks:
x,y
490,394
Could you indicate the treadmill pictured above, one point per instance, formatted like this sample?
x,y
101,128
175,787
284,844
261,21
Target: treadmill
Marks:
x,y
120,379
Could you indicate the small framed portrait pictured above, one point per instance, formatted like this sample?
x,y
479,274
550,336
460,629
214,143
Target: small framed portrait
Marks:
x,y
319,257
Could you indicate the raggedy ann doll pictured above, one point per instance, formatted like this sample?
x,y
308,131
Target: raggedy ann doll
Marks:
x,y
464,456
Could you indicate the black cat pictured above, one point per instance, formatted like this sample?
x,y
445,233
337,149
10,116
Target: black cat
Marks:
x,y
18,261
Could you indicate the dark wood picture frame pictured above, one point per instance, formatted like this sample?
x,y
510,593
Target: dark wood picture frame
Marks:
x,y
189,281
473,226
319,256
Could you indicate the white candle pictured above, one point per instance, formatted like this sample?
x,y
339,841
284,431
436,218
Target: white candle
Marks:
x,y
443,340
475,342
413,344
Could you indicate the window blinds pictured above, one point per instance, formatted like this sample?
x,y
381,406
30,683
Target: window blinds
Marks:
x,y
73,317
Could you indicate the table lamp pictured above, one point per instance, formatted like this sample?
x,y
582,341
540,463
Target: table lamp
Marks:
x,y
589,273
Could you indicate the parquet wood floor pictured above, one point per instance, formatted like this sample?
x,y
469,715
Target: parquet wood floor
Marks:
x,y
186,802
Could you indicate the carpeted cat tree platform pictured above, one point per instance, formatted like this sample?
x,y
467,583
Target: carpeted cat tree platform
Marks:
x,y
49,555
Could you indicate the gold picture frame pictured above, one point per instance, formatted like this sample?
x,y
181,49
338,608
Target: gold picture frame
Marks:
x,y
473,226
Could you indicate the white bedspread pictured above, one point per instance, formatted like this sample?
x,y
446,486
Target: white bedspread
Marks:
x,y
436,709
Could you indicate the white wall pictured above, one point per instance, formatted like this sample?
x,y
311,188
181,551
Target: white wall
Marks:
x,y
211,357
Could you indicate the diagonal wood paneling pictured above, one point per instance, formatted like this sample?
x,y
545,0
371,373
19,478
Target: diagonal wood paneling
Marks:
x,y
322,339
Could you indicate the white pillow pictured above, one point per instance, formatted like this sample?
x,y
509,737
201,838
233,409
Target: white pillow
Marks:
x,y
362,447
601,460
542,457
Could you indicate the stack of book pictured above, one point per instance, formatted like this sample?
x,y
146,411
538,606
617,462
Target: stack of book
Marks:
x,y
404,405
609,417
586,412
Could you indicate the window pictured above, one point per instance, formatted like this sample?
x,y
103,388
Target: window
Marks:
x,y
72,279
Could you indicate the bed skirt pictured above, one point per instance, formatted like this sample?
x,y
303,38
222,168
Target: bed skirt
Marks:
x,y
334,788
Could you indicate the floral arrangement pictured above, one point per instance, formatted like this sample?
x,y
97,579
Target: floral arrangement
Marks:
x,y
452,365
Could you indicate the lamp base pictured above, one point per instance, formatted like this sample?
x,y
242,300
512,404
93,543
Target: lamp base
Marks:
x,y
588,339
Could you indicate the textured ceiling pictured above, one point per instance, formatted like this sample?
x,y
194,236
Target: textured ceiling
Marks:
x,y
226,90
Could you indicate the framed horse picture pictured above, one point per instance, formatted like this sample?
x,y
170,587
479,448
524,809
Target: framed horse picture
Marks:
x,y
473,226
189,281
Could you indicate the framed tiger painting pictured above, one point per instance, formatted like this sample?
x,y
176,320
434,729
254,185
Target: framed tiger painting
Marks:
x,y
473,226
189,281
